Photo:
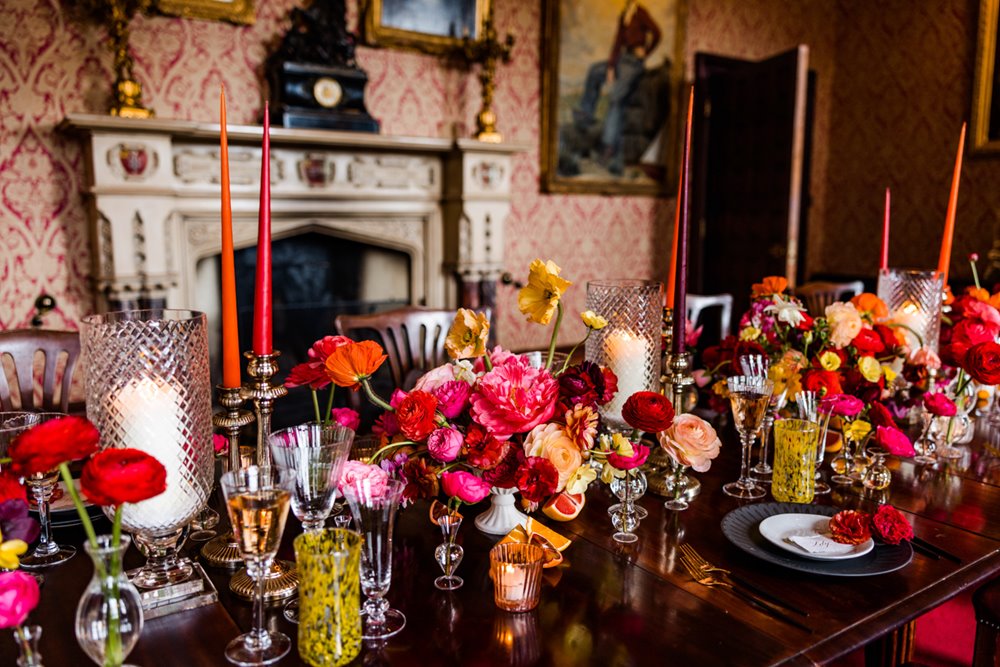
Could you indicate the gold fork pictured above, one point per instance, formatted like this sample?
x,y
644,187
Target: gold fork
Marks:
x,y
698,561
706,579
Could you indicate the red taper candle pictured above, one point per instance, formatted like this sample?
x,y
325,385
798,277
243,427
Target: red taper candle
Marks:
x,y
684,204
262,286
230,325
884,263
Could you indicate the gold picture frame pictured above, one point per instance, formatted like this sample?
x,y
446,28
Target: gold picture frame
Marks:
x,y
385,26
241,12
985,103
579,154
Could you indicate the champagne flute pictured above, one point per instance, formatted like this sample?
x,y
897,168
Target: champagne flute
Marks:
x,y
257,499
315,455
749,397
47,552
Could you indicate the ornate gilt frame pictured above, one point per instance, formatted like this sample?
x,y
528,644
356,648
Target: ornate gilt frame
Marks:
x,y
376,34
235,11
549,151
983,92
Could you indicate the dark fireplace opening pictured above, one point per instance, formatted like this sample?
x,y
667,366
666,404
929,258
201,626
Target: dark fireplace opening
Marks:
x,y
315,278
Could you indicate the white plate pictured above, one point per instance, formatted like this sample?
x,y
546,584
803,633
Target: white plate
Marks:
x,y
778,528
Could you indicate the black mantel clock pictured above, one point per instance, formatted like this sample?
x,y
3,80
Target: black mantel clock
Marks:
x,y
315,81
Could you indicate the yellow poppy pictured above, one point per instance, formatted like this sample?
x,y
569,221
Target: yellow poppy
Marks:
x,y
829,360
857,430
592,320
539,298
9,551
870,368
581,479
468,334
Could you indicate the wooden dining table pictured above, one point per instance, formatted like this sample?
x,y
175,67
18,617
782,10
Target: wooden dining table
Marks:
x,y
614,604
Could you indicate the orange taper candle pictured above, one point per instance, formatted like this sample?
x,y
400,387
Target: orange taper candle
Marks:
x,y
262,286
944,259
230,327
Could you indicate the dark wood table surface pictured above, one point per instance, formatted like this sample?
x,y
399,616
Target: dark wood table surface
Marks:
x,y
610,604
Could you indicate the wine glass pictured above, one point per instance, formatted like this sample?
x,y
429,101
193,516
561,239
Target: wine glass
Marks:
x,y
47,552
315,455
257,499
749,396
374,509
9,431
757,365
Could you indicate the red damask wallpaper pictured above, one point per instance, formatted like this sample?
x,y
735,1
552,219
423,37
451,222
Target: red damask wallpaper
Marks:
x,y
894,82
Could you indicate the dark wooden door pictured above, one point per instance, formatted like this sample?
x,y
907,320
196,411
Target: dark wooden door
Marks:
x,y
749,155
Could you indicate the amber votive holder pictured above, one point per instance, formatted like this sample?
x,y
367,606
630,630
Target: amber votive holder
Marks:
x,y
516,570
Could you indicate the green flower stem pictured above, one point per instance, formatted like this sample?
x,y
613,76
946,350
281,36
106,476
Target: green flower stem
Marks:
x,y
573,351
975,273
88,527
113,643
375,398
920,340
377,456
555,334
329,404
488,362
319,420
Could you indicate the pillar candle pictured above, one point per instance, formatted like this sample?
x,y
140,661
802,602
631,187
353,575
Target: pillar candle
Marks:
x,y
884,263
627,355
683,204
944,259
262,286
230,327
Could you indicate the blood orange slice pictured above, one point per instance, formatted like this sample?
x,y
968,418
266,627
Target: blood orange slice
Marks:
x,y
564,506
438,510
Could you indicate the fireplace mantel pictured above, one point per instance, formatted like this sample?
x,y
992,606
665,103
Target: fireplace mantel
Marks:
x,y
153,194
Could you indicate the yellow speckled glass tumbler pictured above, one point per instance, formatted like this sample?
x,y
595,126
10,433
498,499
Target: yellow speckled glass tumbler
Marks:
x,y
328,562
794,479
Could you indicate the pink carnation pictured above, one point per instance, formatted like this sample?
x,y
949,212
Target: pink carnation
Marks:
x,y
894,440
514,398
444,444
357,474
346,417
453,397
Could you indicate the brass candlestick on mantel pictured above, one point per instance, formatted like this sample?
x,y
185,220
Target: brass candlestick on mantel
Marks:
x,y
115,15
487,50
224,551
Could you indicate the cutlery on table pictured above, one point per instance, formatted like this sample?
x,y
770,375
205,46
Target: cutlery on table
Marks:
x,y
706,579
698,561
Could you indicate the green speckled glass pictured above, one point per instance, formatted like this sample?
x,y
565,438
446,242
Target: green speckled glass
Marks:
x,y
328,562
794,461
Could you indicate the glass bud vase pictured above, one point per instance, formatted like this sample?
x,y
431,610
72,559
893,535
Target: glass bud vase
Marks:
x,y
27,637
109,615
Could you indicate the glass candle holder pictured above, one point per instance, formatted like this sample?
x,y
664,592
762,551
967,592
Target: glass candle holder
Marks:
x,y
148,388
630,344
516,570
914,299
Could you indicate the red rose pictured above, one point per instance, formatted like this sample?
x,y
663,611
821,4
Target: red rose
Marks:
x,y
11,488
868,343
504,474
482,450
850,527
822,382
42,448
417,415
536,479
117,476
890,526
964,335
648,411
982,362
888,336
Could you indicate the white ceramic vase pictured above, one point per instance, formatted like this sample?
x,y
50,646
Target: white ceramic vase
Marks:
x,y
503,515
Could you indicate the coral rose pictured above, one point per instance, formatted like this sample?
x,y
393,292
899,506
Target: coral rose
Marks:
x,y
42,448
417,415
514,398
468,334
118,476
464,485
982,362
313,372
550,441
18,596
648,411
890,526
691,441
845,323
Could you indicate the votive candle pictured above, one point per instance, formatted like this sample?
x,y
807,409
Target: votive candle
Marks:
x,y
516,570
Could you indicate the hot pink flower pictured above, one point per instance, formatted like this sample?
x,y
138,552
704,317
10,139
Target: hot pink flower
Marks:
x,y
514,398
313,372
498,356
465,486
346,417
983,312
444,444
436,377
18,596
220,443
939,405
639,456
894,440
453,397
841,405
358,474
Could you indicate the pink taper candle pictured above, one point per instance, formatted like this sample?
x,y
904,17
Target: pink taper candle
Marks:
x,y
262,286
944,259
230,327
884,264
684,204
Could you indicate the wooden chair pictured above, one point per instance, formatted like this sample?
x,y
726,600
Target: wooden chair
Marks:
x,y
986,603
413,338
698,303
816,296
59,351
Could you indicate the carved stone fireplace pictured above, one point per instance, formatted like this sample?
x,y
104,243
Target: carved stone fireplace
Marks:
x,y
153,193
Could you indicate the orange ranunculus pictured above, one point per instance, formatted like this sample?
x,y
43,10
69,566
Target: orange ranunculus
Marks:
x,y
770,285
995,300
949,297
978,293
350,364
871,307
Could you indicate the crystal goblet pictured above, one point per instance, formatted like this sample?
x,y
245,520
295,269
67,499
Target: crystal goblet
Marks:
x,y
749,397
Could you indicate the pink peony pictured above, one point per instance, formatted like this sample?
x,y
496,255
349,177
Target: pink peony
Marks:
x,y
444,444
465,486
18,596
514,398
691,441
346,417
639,456
453,397
894,440
841,405
358,475
939,405
498,356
